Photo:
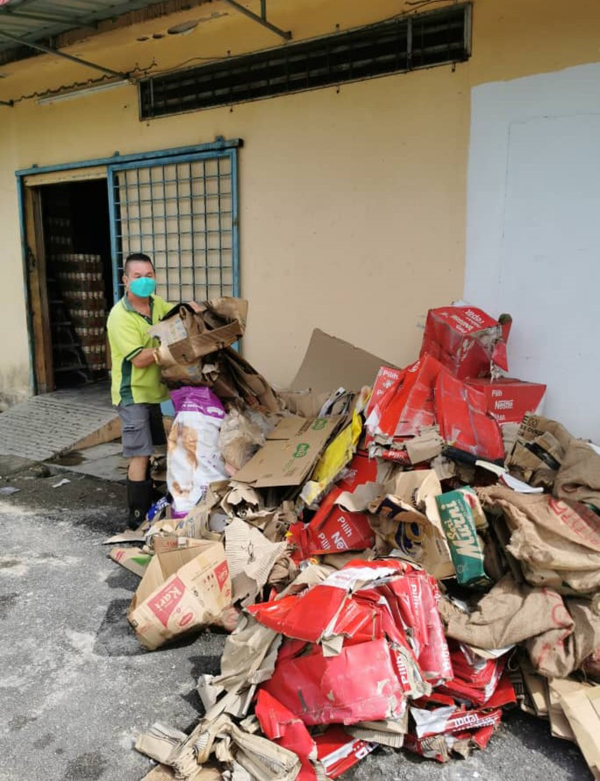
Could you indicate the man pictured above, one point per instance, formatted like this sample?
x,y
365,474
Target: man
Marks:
x,y
137,387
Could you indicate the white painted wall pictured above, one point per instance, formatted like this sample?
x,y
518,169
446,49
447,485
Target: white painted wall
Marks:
x,y
533,231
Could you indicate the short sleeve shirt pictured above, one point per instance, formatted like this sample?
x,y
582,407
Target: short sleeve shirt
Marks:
x,y
128,336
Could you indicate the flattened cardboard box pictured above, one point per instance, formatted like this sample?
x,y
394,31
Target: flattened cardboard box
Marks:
x,y
133,559
290,452
186,586
331,362
582,709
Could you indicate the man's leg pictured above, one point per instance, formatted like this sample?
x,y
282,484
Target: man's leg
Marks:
x,y
138,467
138,447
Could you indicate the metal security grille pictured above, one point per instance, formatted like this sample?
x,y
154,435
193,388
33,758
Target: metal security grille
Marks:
x,y
400,45
182,211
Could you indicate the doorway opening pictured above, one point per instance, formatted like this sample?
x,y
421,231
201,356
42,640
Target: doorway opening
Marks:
x,y
79,221
78,280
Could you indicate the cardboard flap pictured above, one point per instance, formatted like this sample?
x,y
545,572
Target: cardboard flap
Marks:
x,y
171,553
287,428
582,709
288,458
307,404
331,363
133,559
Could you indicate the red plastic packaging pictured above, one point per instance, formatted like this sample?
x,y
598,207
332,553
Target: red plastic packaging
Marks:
x,y
413,603
280,725
509,400
333,529
306,616
463,419
323,690
411,408
338,751
465,340
441,721
386,384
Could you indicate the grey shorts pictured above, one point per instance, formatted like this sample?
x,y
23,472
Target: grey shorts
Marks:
x,y
142,429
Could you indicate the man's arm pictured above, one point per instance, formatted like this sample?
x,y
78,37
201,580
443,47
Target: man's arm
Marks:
x,y
143,358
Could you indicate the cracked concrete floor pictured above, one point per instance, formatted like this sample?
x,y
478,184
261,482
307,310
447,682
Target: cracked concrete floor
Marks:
x,y
76,688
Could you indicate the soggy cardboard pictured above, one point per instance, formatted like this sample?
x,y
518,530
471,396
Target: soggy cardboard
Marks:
x,y
159,741
133,559
537,687
261,758
406,517
164,773
464,422
186,336
186,586
331,363
250,557
557,689
582,709
291,451
160,773
129,535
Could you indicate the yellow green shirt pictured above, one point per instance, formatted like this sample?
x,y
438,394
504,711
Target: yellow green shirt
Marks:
x,y
128,336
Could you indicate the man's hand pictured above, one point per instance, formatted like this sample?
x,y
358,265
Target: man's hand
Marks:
x,y
194,306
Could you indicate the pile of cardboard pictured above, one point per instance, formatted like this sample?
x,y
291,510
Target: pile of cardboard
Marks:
x,y
399,555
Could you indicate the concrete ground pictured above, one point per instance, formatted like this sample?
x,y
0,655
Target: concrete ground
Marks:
x,y
76,688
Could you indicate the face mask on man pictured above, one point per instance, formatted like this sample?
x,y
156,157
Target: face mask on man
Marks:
x,y
142,287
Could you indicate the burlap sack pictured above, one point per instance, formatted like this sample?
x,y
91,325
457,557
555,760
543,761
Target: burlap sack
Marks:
x,y
510,613
539,450
559,652
559,636
578,479
556,539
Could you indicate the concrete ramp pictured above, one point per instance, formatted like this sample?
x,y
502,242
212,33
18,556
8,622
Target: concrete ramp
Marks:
x,y
47,426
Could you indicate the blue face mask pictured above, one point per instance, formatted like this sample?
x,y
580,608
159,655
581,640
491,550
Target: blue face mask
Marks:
x,y
142,287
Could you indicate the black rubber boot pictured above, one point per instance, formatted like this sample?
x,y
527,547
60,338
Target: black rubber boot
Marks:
x,y
140,497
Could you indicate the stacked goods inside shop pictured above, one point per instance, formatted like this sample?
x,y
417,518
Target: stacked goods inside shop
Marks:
x,y
78,277
81,286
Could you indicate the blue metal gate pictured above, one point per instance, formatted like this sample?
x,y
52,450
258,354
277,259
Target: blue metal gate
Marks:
x,y
182,210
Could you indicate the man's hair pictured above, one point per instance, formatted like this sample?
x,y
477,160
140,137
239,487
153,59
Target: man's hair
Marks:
x,y
136,257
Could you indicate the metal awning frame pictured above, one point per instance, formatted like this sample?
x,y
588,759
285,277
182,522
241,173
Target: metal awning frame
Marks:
x,y
262,19
48,50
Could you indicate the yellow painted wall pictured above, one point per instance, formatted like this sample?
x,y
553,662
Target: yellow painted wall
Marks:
x,y
352,201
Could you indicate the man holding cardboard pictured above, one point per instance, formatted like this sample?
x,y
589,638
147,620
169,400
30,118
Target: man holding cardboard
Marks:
x,y
137,386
